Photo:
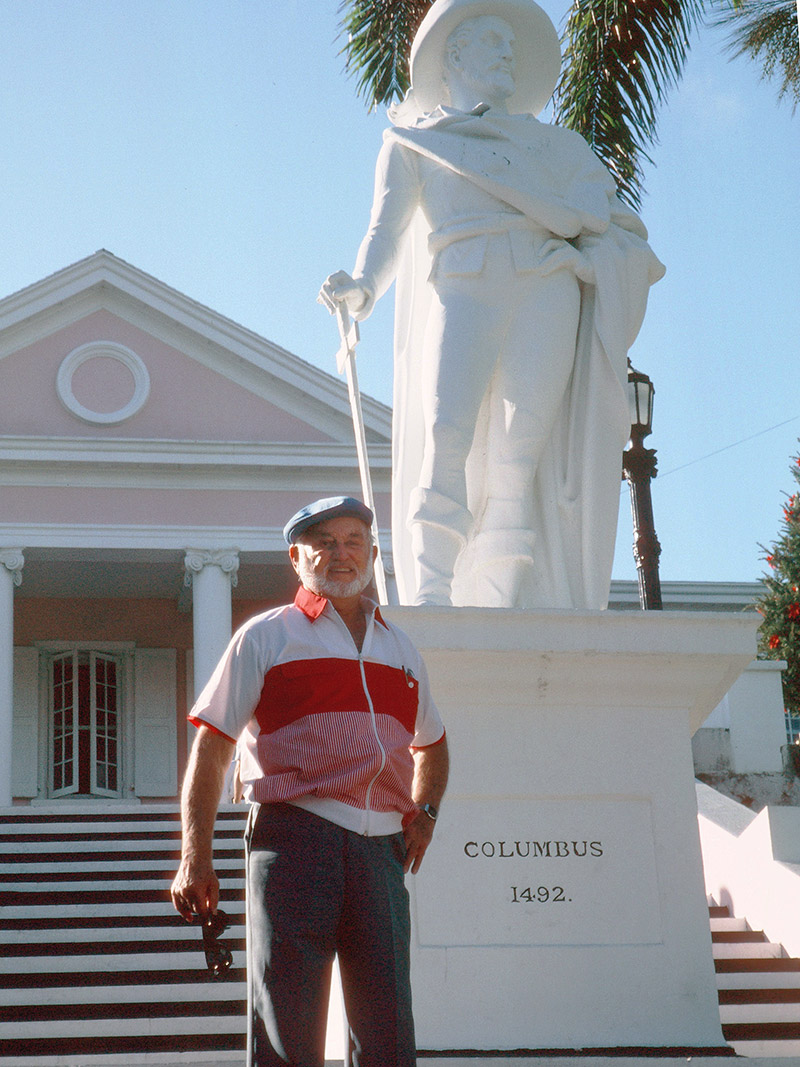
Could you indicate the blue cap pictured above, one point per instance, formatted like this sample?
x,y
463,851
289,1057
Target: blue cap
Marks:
x,y
331,507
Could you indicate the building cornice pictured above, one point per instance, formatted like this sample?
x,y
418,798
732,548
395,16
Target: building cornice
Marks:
x,y
143,463
128,538
691,596
125,450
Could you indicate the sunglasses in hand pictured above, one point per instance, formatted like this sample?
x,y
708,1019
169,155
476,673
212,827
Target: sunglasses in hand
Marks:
x,y
218,957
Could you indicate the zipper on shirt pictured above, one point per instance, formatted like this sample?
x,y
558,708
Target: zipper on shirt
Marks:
x,y
374,722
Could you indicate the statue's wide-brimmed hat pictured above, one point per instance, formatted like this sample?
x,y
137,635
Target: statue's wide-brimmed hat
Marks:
x,y
537,55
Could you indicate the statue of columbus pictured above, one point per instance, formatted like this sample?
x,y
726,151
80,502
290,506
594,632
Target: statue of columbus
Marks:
x,y
522,281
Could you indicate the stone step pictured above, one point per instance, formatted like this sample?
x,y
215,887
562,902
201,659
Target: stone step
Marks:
x,y
179,931
120,885
104,914
760,1012
190,991
774,995
775,1053
757,980
142,962
36,828
25,851
32,951
19,1021
89,980
757,950
727,922
773,965
737,937
115,868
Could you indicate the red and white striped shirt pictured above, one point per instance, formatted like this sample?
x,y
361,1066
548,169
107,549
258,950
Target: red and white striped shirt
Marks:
x,y
320,724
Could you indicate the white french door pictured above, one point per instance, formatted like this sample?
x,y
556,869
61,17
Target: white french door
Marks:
x,y
85,719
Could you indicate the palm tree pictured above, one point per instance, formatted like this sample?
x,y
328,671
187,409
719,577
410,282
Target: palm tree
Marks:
x,y
621,58
766,31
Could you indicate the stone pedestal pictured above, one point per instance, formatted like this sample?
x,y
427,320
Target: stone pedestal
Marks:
x,y
562,903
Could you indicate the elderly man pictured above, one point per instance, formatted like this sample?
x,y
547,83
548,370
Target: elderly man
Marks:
x,y
522,282
344,761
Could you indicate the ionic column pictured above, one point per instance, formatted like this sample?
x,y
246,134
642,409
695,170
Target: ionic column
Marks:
x,y
11,564
211,574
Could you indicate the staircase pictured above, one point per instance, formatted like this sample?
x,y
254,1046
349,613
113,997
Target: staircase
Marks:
x,y
759,989
94,961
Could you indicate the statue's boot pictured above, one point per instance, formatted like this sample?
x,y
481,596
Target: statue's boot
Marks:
x,y
503,568
438,528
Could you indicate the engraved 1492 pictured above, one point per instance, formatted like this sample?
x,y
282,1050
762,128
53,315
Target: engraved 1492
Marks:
x,y
540,895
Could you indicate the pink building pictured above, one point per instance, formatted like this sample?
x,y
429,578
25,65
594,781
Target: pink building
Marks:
x,y
150,453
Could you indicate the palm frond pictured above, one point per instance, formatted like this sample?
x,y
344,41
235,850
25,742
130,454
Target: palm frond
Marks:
x,y
620,58
379,35
767,32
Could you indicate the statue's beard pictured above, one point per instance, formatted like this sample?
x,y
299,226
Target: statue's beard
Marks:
x,y
322,585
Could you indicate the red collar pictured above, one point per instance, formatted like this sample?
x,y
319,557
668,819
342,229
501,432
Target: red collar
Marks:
x,y
312,605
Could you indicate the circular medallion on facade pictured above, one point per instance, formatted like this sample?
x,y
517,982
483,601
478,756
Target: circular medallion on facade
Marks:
x,y
103,382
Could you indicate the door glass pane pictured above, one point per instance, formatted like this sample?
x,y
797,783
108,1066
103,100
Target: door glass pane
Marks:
x,y
64,723
84,728
106,725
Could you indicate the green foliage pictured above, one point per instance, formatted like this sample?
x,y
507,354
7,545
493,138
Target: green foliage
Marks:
x,y
766,31
620,58
379,35
779,635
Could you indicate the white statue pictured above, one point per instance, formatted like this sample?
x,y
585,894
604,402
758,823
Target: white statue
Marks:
x,y
521,283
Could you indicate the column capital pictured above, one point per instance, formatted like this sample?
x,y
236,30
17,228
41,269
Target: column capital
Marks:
x,y
13,560
227,559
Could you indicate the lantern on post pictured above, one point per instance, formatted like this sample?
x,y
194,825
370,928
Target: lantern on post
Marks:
x,y
638,469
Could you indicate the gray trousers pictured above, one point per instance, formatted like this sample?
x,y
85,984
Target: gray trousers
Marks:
x,y
315,891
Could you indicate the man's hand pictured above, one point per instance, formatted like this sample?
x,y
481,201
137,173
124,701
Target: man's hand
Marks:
x,y
418,834
431,768
195,890
340,287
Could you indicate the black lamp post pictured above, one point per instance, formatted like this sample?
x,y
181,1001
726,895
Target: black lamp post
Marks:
x,y
638,469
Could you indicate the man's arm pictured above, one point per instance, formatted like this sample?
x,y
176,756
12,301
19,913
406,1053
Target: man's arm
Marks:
x,y
395,201
431,768
195,889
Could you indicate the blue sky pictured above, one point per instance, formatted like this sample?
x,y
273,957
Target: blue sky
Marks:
x,y
218,145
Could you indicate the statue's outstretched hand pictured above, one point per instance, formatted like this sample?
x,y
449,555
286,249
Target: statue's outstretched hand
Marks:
x,y
341,288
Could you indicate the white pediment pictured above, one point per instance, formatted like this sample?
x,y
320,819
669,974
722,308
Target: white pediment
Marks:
x,y
132,415
209,367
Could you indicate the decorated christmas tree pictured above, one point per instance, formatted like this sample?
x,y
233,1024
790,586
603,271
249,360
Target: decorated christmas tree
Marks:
x,y
779,636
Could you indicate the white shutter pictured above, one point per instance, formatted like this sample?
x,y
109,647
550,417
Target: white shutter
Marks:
x,y
25,742
155,723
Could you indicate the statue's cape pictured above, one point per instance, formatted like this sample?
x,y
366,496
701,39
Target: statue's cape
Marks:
x,y
551,176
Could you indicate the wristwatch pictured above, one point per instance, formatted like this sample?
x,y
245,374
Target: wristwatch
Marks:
x,y
429,810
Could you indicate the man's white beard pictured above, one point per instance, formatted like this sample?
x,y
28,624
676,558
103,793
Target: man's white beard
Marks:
x,y
329,587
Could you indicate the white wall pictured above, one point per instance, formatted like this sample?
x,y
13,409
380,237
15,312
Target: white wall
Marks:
x,y
752,863
746,730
